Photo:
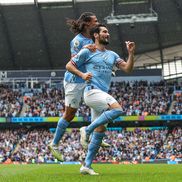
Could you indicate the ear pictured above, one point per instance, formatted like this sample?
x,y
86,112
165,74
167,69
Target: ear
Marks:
x,y
96,35
87,23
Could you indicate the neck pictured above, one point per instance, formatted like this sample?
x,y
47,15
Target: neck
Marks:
x,y
100,47
86,34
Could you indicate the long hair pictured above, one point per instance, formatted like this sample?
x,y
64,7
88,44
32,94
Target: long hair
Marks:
x,y
78,26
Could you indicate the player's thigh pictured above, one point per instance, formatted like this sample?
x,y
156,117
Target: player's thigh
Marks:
x,y
73,94
98,100
95,114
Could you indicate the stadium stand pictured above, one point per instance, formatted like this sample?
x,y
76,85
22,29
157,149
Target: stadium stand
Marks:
x,y
30,146
137,98
29,143
10,102
33,53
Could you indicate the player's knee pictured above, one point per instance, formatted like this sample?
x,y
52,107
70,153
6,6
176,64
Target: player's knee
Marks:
x,y
114,113
100,129
118,111
69,114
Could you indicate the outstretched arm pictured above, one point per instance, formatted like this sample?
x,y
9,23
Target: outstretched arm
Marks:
x,y
128,65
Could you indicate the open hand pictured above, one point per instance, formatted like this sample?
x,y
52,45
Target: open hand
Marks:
x,y
91,47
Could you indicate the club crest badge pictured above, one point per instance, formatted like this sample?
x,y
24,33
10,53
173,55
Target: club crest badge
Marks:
x,y
76,43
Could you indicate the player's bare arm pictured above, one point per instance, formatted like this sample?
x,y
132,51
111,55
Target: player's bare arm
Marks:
x,y
71,67
129,64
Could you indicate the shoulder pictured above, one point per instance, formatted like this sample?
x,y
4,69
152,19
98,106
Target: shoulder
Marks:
x,y
82,52
76,41
112,53
85,51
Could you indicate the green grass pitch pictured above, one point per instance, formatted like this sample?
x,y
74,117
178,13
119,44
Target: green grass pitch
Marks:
x,y
108,173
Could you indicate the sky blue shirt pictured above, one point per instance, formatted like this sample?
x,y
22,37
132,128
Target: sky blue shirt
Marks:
x,y
100,64
76,45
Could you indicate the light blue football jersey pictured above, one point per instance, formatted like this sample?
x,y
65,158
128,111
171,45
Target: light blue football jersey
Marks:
x,y
76,45
100,64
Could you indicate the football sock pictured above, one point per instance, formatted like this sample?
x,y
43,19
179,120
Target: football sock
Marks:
x,y
104,118
93,147
60,130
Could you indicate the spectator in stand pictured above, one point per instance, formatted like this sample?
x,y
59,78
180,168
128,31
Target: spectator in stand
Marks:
x,y
10,102
177,108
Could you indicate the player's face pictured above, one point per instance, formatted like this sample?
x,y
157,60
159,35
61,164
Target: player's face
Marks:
x,y
104,36
93,22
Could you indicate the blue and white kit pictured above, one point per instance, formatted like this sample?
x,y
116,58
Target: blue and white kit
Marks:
x,y
74,85
100,64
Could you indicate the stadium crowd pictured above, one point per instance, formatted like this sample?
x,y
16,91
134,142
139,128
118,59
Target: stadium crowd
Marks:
x,y
45,103
8,141
11,102
24,145
177,108
142,98
135,97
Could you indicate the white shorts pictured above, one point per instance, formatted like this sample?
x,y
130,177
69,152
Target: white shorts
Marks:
x,y
98,101
73,94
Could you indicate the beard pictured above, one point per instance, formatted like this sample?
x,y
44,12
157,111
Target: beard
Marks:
x,y
104,41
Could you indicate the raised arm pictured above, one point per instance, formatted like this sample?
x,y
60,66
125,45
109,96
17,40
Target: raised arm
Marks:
x,y
129,64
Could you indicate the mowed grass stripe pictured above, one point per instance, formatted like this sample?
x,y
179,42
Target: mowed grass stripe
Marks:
x,y
108,173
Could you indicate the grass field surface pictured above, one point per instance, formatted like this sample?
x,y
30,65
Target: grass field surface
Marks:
x,y
108,173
